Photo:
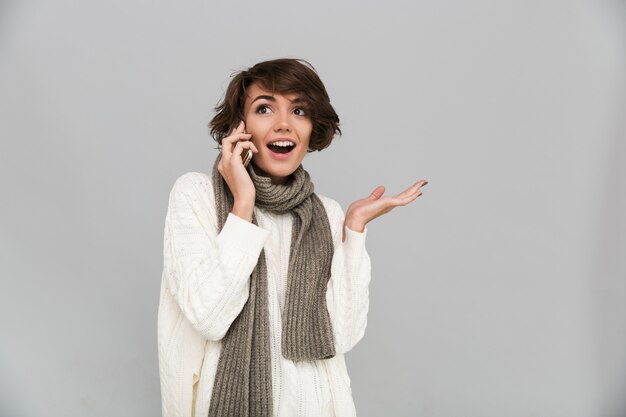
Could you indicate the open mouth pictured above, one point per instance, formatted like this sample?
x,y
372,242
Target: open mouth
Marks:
x,y
283,146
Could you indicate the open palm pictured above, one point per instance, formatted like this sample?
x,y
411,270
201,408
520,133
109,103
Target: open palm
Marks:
x,y
376,204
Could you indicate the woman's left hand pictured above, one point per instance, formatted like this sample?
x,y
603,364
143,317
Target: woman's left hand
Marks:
x,y
367,209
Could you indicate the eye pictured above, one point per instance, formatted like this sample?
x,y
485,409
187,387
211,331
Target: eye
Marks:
x,y
263,109
299,111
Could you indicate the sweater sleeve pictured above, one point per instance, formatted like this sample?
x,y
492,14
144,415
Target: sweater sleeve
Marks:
x,y
207,273
348,288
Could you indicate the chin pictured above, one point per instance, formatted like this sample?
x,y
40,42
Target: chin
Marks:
x,y
282,172
275,171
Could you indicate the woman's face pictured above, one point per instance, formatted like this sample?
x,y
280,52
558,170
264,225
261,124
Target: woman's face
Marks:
x,y
280,130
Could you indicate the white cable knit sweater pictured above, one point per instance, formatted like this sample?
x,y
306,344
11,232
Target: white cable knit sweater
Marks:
x,y
205,284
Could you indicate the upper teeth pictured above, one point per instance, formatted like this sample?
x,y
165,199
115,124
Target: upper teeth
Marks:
x,y
282,143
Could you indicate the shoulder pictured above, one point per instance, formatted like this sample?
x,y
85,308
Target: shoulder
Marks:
x,y
193,189
192,180
192,183
191,201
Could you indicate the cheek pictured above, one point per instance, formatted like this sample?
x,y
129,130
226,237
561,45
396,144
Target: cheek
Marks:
x,y
258,128
306,143
306,129
257,134
310,132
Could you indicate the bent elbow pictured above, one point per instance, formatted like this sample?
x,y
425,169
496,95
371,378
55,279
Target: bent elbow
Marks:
x,y
213,333
215,328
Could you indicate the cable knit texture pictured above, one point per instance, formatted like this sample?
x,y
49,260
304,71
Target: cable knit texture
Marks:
x,y
206,283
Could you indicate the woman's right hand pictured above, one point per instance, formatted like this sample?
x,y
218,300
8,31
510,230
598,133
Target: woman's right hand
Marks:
x,y
235,174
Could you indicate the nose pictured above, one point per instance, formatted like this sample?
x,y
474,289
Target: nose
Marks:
x,y
282,122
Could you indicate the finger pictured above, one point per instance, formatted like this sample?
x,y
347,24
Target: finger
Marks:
x,y
377,193
234,133
412,189
237,129
419,184
408,192
240,128
239,148
252,146
229,142
237,136
400,200
403,201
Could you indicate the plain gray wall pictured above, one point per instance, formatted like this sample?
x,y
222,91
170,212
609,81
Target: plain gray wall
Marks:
x,y
500,292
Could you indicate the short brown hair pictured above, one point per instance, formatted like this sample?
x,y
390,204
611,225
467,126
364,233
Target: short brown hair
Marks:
x,y
283,75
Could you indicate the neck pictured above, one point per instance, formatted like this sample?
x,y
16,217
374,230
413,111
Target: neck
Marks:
x,y
276,180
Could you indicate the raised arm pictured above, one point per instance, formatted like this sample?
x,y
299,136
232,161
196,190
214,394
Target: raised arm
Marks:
x,y
207,273
348,288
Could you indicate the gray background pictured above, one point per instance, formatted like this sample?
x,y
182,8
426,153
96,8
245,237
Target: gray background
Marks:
x,y
500,292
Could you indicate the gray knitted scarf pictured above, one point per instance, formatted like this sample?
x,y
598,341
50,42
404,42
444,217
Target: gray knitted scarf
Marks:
x,y
243,382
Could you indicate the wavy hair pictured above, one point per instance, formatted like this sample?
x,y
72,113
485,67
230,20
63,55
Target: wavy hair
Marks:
x,y
283,76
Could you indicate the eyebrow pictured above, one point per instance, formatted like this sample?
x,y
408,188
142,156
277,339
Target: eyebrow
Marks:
x,y
271,98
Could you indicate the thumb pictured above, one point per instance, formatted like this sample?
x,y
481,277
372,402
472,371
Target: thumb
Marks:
x,y
377,193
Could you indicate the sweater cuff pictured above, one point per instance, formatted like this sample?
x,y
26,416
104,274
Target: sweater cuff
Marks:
x,y
355,242
243,235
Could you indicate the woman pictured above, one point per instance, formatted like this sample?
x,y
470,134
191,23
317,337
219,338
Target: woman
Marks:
x,y
265,283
